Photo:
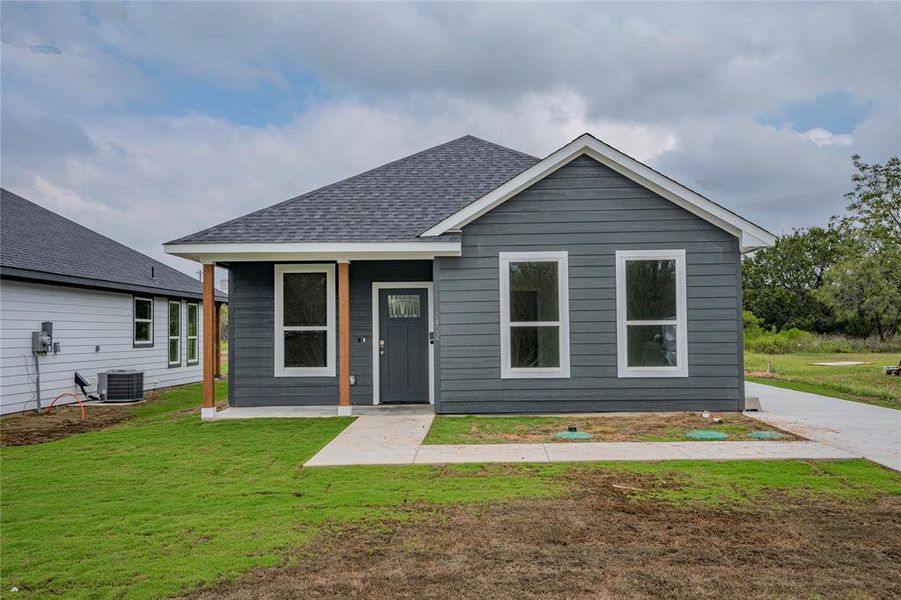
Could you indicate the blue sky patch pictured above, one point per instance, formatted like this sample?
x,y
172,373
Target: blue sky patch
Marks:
x,y
837,111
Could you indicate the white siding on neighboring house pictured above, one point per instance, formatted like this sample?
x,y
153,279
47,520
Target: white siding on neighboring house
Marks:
x,y
82,320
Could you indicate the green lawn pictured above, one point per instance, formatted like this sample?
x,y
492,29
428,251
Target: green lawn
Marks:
x,y
165,503
863,383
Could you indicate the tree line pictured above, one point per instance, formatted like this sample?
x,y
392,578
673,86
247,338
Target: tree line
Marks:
x,y
844,277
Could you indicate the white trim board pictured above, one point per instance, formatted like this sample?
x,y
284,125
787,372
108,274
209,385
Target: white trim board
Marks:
x,y
337,251
622,351
331,322
562,323
393,285
751,236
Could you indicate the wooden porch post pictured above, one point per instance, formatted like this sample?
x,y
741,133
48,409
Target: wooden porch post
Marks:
x,y
344,338
209,344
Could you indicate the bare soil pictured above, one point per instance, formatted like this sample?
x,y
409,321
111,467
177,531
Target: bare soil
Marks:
x,y
61,421
599,543
636,427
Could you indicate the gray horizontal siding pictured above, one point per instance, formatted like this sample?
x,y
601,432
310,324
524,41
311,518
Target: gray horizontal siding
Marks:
x,y
591,212
252,344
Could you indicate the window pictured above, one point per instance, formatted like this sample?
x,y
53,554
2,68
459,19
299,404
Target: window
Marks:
x,y
142,332
304,320
650,313
403,306
193,337
174,333
534,314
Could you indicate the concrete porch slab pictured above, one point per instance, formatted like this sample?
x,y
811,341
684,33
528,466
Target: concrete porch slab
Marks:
x,y
301,412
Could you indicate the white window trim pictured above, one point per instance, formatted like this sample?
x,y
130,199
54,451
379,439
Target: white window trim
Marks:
x,y
188,336
681,322
329,369
170,337
562,260
135,320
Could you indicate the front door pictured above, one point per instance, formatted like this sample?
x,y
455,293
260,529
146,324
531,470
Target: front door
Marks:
x,y
403,345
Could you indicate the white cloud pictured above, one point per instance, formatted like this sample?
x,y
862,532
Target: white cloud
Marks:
x,y
824,137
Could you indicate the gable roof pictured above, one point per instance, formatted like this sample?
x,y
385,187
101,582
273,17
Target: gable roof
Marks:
x,y
40,245
392,203
751,236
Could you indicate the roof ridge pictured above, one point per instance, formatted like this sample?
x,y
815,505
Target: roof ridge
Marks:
x,y
56,215
506,148
351,178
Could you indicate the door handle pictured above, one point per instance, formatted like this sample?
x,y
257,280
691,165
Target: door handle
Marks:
x,y
381,347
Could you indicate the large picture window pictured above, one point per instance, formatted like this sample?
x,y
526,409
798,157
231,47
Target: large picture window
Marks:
x,y
304,320
534,298
174,347
193,310
650,308
142,329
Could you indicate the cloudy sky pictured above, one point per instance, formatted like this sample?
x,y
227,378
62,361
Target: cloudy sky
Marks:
x,y
147,121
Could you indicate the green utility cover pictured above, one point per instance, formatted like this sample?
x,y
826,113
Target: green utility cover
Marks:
x,y
706,434
766,435
572,435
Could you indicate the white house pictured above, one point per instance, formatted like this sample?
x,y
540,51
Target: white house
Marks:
x,y
111,307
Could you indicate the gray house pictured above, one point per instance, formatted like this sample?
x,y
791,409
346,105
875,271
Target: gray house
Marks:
x,y
484,280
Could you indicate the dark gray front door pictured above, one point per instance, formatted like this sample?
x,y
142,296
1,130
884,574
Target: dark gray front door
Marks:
x,y
403,345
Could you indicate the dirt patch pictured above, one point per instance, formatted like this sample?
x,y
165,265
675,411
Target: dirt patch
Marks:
x,y
60,422
644,427
763,374
599,543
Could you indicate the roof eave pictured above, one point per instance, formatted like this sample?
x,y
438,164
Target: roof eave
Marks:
x,y
752,236
306,251
100,284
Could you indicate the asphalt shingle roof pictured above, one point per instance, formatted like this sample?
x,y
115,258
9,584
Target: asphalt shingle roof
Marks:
x,y
394,202
38,243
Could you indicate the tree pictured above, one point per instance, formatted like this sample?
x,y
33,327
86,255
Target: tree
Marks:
x,y
780,282
865,286
865,283
875,202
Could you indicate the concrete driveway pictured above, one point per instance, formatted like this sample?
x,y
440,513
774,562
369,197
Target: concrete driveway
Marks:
x,y
861,429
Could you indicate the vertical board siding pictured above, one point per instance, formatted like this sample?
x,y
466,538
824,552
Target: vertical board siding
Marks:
x,y
82,319
591,212
251,335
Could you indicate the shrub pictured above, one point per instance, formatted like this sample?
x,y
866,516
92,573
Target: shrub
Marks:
x,y
770,341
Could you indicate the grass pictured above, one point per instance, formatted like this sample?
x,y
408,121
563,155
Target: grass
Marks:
x,y
861,383
164,503
639,428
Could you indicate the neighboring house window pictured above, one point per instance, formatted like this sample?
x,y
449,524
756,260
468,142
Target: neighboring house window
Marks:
x,y
143,322
174,333
534,296
651,339
193,338
305,320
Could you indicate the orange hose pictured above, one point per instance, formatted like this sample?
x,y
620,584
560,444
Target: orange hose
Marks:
x,y
77,399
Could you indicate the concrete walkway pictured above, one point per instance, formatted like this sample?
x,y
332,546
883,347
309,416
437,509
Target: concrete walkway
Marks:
x,y
376,440
397,440
861,429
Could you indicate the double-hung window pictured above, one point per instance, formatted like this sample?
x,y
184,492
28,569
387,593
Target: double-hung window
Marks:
x,y
651,338
305,320
174,347
193,310
534,298
142,328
